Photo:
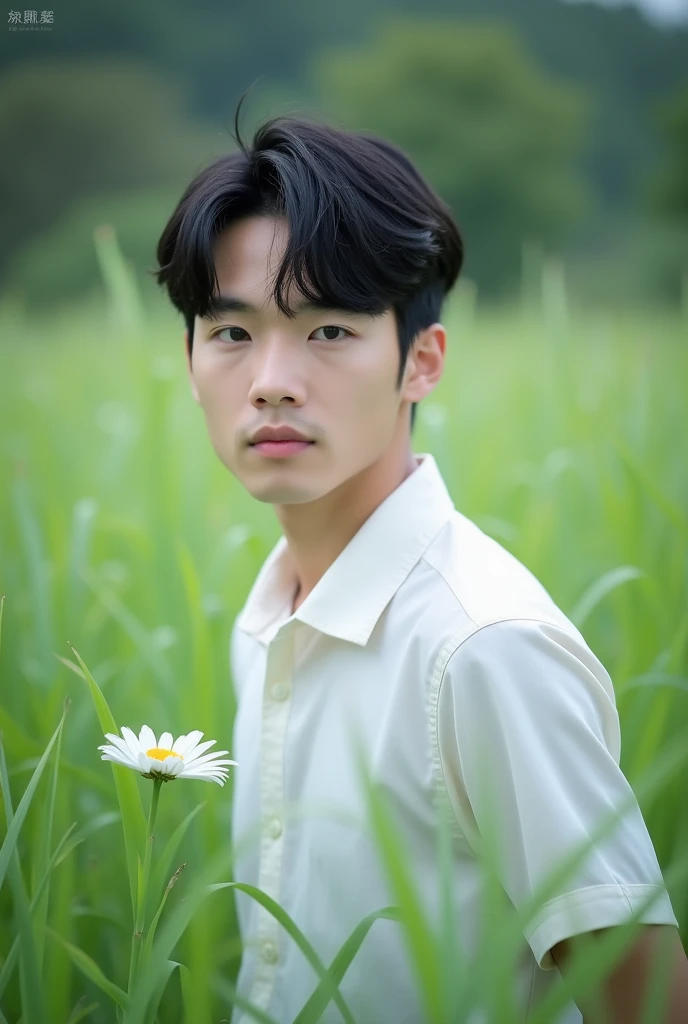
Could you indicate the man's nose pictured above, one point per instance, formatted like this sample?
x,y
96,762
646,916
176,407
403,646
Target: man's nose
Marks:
x,y
278,372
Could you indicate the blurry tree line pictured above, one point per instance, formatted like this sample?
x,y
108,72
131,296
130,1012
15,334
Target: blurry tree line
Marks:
x,y
538,121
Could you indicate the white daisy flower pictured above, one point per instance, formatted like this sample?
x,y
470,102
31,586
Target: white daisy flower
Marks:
x,y
164,759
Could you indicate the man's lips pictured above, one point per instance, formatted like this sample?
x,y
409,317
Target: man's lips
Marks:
x,y
279,449
281,440
278,432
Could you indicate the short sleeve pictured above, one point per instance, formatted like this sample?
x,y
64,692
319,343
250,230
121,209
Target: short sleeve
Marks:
x,y
527,724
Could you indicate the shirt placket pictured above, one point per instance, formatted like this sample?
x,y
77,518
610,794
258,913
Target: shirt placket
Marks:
x,y
275,717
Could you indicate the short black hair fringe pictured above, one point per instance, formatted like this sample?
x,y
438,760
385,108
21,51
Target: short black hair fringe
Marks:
x,y
366,232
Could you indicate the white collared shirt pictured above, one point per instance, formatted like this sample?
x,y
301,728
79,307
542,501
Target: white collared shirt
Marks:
x,y
444,650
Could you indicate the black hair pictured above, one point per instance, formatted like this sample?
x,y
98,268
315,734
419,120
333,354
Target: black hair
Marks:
x,y
366,232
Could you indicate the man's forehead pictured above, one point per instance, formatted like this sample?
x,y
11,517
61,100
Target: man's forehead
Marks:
x,y
227,302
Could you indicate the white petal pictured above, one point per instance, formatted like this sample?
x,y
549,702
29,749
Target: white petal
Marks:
x,y
144,762
165,741
206,770
147,738
131,740
206,767
190,742
176,766
117,755
206,778
198,750
178,743
109,747
169,763
202,773
121,746
116,760
206,759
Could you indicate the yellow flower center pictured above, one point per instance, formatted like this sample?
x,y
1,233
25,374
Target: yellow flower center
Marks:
x,y
159,753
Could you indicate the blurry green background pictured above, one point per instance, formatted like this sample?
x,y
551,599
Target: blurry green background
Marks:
x,y
558,132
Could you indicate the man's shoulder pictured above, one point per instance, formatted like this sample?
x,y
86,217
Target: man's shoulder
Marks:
x,y
471,580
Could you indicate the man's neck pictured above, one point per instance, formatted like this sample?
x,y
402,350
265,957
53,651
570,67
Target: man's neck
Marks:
x,y
317,532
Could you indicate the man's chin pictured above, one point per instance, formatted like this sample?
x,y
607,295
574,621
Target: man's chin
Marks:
x,y
282,493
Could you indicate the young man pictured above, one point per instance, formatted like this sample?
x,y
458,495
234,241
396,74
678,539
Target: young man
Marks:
x,y
311,270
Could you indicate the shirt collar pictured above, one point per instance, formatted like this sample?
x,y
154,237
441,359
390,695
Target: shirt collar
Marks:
x,y
352,594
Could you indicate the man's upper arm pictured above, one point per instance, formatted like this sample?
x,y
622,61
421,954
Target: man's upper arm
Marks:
x,y
529,741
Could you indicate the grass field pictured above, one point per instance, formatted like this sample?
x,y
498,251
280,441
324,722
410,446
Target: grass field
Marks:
x,y
563,435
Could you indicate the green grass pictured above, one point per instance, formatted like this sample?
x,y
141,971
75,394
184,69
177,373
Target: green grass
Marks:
x,y
561,434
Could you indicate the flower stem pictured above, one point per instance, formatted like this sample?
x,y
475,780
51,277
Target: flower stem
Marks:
x,y
142,896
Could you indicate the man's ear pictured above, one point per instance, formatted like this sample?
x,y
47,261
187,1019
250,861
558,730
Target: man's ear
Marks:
x,y
189,368
425,363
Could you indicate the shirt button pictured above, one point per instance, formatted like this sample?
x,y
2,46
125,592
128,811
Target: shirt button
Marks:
x,y
275,828
269,952
280,691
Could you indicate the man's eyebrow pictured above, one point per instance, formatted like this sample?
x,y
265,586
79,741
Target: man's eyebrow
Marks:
x,y
220,304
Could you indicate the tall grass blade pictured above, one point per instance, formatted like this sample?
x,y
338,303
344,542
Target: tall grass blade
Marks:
x,y
90,969
128,795
82,1010
320,999
600,588
10,842
162,869
33,1004
43,859
63,849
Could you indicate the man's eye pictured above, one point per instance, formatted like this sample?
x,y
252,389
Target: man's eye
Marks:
x,y
240,329
329,327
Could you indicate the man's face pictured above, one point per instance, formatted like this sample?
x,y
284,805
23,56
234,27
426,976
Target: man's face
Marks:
x,y
251,369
